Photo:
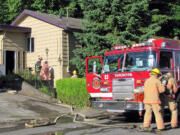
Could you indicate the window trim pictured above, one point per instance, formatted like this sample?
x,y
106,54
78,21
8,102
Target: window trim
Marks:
x,y
30,45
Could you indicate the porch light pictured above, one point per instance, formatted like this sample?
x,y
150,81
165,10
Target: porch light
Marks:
x,y
47,51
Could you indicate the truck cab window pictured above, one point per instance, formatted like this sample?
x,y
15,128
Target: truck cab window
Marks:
x,y
165,59
98,67
133,61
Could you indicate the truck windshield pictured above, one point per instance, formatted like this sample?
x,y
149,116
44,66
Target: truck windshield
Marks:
x,y
127,62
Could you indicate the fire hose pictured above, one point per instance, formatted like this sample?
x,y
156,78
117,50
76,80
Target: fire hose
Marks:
x,y
87,121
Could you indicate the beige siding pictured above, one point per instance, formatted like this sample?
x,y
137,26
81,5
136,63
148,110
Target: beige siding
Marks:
x,y
15,41
69,44
46,36
65,52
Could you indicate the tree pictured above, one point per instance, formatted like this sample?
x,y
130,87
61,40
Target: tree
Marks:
x,y
14,8
168,17
10,9
49,6
3,12
110,22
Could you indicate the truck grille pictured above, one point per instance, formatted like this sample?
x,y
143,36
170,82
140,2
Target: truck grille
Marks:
x,y
123,88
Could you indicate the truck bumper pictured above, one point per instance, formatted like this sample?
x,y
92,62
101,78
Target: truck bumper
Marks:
x,y
118,106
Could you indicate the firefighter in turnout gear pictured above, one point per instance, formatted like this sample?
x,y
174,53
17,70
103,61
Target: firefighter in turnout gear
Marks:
x,y
168,98
38,65
152,102
74,74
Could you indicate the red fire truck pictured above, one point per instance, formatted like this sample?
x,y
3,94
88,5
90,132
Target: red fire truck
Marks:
x,y
116,80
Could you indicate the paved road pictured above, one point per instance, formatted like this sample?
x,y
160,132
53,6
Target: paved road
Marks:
x,y
17,109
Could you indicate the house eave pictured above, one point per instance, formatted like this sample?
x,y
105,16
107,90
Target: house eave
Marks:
x,y
14,28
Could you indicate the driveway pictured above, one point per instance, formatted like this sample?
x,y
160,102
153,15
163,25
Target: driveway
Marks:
x,y
16,109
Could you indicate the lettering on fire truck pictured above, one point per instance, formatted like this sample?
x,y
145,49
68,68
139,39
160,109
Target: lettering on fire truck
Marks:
x,y
123,75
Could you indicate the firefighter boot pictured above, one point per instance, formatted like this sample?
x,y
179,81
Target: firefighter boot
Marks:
x,y
144,129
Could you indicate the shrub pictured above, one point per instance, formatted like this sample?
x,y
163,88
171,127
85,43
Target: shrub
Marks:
x,y
72,91
44,88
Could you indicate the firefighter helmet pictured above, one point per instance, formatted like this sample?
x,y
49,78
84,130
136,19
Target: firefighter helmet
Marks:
x,y
40,58
74,72
155,71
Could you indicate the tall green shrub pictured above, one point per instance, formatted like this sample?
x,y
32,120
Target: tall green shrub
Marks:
x,y
72,91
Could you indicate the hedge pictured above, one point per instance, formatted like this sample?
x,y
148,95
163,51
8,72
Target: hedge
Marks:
x,y
72,91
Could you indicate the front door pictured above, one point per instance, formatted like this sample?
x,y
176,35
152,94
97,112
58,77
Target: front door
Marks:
x,y
10,61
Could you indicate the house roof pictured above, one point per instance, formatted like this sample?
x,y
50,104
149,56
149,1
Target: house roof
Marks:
x,y
64,22
14,28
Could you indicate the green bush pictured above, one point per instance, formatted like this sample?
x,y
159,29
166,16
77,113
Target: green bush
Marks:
x,y
72,91
46,90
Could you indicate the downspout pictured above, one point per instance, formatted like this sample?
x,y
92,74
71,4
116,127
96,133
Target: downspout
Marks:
x,y
2,50
2,46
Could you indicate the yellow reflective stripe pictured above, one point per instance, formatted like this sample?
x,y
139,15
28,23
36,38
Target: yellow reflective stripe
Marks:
x,y
175,89
174,122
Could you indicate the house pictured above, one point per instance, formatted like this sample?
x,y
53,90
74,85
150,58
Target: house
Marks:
x,y
12,48
41,34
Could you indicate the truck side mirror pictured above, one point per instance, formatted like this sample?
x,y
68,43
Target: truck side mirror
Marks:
x,y
94,67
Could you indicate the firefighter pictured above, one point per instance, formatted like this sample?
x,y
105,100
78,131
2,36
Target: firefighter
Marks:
x,y
152,90
74,74
168,98
45,73
38,65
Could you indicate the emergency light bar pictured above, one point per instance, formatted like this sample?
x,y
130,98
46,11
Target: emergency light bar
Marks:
x,y
119,47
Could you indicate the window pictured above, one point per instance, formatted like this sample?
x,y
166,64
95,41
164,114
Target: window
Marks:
x,y
134,61
92,63
30,44
165,59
